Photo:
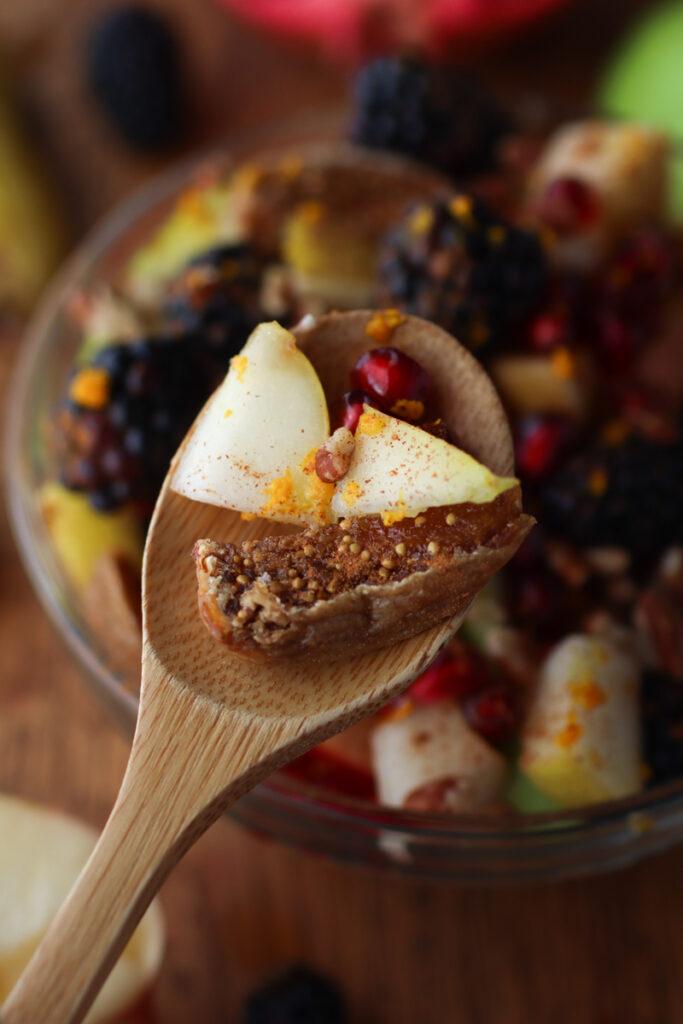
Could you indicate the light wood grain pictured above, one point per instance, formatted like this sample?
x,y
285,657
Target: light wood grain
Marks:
x,y
210,725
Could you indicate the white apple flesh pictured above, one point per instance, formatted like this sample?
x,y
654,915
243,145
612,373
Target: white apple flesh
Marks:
x,y
252,445
581,740
431,744
399,470
41,854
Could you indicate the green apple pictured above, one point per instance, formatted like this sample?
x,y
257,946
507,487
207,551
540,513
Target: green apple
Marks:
x,y
81,534
644,81
558,384
253,446
581,739
41,854
399,470
430,744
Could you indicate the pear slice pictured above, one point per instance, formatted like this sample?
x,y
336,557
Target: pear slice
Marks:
x,y
398,470
41,854
253,447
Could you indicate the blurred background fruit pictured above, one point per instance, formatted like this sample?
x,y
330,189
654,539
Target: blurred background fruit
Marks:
x,y
644,79
357,27
32,226
41,854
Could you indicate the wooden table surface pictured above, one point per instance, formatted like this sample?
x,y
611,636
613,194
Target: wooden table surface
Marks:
x,y
600,951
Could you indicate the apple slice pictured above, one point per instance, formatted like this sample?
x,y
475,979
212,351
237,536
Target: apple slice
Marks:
x,y
41,854
253,447
398,470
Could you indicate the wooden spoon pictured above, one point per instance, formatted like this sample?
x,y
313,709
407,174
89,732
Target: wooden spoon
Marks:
x,y
211,725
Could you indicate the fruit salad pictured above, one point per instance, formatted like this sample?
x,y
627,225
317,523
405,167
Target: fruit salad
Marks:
x,y
401,528
548,251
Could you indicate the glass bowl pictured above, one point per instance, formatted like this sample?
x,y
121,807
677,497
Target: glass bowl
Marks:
x,y
473,849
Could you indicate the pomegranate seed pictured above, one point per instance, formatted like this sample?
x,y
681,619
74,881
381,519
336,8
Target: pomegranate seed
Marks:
x,y
454,674
548,331
539,443
569,205
395,380
492,713
351,408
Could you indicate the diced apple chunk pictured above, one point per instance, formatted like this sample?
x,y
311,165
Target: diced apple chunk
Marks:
x,y
430,759
559,384
626,165
581,740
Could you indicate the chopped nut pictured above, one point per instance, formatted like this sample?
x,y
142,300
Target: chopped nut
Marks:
x,y
345,524
354,548
433,547
365,555
292,573
297,583
346,539
384,573
450,519
308,550
400,549
387,563
332,460
420,521
242,579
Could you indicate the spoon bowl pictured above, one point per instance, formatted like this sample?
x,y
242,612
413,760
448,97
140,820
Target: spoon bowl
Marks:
x,y
212,724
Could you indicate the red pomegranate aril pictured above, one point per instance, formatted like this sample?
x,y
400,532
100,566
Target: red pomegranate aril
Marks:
x,y
548,331
569,205
352,407
492,713
540,442
395,380
453,675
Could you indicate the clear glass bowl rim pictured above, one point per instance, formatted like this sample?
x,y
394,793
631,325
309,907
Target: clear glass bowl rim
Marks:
x,y
593,838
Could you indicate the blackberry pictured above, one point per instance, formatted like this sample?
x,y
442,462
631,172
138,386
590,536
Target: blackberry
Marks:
x,y
126,415
300,996
216,297
453,262
436,115
133,70
662,717
627,495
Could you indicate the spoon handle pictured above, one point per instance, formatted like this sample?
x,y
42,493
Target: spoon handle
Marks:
x,y
185,768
